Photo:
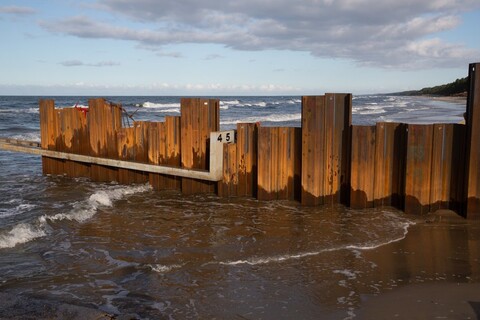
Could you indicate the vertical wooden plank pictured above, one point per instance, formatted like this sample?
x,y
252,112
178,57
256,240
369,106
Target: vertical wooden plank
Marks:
x,y
103,121
457,183
418,168
382,178
313,144
326,144
247,135
264,189
172,150
47,133
59,166
390,153
228,186
125,145
441,166
343,123
329,150
66,133
472,209
362,167
294,160
199,117
140,129
337,126
279,163
80,141
154,131
73,132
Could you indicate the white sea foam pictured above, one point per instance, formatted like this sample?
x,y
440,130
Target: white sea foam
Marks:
x,y
365,246
19,209
19,234
20,110
260,104
29,136
81,211
86,209
160,268
152,105
268,118
229,102
347,273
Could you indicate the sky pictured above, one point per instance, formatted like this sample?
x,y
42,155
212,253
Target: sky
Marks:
x,y
234,47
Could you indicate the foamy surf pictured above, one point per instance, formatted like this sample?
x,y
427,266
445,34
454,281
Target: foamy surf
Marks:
x,y
30,136
160,268
81,212
267,118
369,245
21,233
86,209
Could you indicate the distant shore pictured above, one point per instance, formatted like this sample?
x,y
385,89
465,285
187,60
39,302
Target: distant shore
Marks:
x,y
456,98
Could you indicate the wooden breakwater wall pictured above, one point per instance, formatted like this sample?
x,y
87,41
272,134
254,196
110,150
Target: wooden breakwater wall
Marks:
x,y
414,167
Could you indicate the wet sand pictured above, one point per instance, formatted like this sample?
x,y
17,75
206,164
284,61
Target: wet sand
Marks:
x,y
424,301
437,272
27,307
434,272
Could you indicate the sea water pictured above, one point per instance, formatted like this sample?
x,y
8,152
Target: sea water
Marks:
x,y
131,250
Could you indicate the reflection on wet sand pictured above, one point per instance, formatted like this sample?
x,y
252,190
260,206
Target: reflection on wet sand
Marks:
x,y
158,255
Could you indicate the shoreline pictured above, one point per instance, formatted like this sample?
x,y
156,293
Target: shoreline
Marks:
x,y
424,301
434,272
440,98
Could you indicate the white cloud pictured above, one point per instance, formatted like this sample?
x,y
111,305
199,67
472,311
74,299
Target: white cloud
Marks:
x,y
369,32
78,63
88,88
16,10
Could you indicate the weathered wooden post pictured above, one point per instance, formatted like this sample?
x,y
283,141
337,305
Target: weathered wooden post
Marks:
x,y
48,134
279,163
390,153
418,168
247,137
199,117
472,208
363,167
326,122
104,120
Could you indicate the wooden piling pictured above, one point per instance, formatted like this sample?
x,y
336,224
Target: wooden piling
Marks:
x,y
472,208
126,152
199,117
418,168
390,153
442,158
247,137
164,149
313,145
229,185
279,163
103,120
48,134
326,144
458,169
362,167
74,139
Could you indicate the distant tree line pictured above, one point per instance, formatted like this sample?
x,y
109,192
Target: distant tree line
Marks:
x,y
457,88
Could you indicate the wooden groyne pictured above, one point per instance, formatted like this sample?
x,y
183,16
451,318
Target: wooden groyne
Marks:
x,y
415,167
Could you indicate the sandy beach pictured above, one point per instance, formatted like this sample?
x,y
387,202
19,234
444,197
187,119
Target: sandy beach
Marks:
x,y
433,273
